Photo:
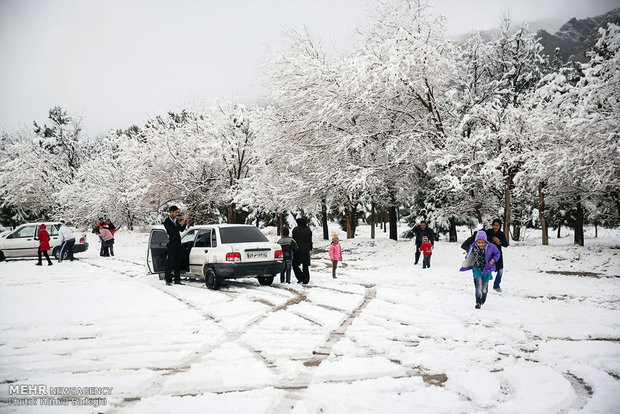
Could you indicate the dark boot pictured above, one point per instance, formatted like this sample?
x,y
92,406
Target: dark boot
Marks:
x,y
483,299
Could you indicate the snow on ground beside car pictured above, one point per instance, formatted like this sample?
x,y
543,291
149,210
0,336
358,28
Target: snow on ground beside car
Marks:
x,y
385,336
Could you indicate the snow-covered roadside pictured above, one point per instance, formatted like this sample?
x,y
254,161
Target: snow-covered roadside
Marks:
x,y
384,336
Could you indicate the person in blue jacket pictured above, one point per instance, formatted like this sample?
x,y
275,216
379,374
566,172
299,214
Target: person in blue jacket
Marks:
x,y
481,258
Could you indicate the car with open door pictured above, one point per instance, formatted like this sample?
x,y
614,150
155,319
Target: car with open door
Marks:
x,y
21,242
219,251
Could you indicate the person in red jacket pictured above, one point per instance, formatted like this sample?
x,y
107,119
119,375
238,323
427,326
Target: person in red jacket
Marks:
x,y
44,244
427,249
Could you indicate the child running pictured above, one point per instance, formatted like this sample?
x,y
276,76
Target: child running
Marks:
x,y
335,254
481,257
427,249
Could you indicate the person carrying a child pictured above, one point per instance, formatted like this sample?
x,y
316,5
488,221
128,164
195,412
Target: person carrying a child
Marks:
x,y
289,247
427,249
335,254
481,257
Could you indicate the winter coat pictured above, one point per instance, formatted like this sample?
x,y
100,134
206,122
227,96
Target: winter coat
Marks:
x,y
104,234
44,239
420,234
503,242
65,233
174,229
110,227
335,252
289,247
303,236
491,253
426,248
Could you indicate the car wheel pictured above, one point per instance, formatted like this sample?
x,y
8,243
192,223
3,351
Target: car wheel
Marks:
x,y
2,258
56,253
211,279
265,280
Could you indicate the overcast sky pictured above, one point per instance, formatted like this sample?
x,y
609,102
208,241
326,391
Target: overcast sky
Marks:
x,y
117,63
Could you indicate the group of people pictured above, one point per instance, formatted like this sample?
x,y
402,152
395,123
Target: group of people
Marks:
x,y
105,230
483,255
67,239
296,252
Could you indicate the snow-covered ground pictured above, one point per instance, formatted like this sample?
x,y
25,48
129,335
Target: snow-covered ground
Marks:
x,y
386,336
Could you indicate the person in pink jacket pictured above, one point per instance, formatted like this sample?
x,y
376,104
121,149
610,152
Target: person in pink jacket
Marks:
x,y
107,238
335,253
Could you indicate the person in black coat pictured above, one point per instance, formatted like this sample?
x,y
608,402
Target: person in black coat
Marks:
x,y
498,238
175,252
420,231
303,236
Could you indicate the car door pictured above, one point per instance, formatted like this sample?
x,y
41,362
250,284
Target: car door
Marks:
x,y
198,255
52,229
21,242
157,251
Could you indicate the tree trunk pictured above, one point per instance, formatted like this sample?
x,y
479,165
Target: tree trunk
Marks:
x,y
507,204
452,231
393,230
385,220
596,229
516,231
479,216
280,223
579,239
351,210
324,219
559,228
541,215
372,220
257,221
232,214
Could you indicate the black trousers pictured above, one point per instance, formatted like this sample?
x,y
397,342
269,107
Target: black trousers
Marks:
x,y
417,251
426,262
44,252
302,276
173,263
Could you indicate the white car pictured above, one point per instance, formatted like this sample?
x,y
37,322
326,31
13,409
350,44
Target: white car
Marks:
x,y
219,251
21,241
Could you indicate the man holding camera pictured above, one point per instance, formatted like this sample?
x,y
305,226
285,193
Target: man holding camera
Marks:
x,y
173,261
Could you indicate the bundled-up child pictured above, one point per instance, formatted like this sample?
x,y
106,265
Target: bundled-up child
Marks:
x,y
427,249
481,257
289,247
335,254
44,244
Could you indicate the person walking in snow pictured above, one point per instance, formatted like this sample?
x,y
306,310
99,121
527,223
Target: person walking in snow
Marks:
x,y
107,240
289,247
427,249
44,244
303,236
481,258
97,227
498,238
108,225
68,241
335,254
420,231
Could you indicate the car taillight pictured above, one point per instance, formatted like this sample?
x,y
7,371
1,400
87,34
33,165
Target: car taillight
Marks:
x,y
82,239
233,257
279,254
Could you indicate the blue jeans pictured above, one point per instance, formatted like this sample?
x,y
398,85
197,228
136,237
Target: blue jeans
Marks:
x,y
498,278
482,287
286,270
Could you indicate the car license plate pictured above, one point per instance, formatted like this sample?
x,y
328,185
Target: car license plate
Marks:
x,y
258,255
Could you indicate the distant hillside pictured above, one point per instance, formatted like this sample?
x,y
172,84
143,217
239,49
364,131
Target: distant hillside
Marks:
x,y
576,37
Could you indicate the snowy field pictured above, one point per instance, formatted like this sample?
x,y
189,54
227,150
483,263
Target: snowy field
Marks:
x,y
386,336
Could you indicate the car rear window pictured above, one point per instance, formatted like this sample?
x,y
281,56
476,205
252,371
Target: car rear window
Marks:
x,y
241,234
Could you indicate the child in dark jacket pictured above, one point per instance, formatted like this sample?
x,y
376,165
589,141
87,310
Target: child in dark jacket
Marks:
x,y
481,257
289,247
427,249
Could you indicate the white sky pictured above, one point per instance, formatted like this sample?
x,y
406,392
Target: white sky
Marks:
x,y
117,63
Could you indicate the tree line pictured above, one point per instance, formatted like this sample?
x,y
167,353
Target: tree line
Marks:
x,y
406,124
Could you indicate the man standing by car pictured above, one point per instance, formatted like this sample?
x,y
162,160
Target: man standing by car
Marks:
x,y
303,236
173,261
420,231
68,241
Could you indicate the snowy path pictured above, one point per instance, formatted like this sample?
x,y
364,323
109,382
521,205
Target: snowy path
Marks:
x,y
383,336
